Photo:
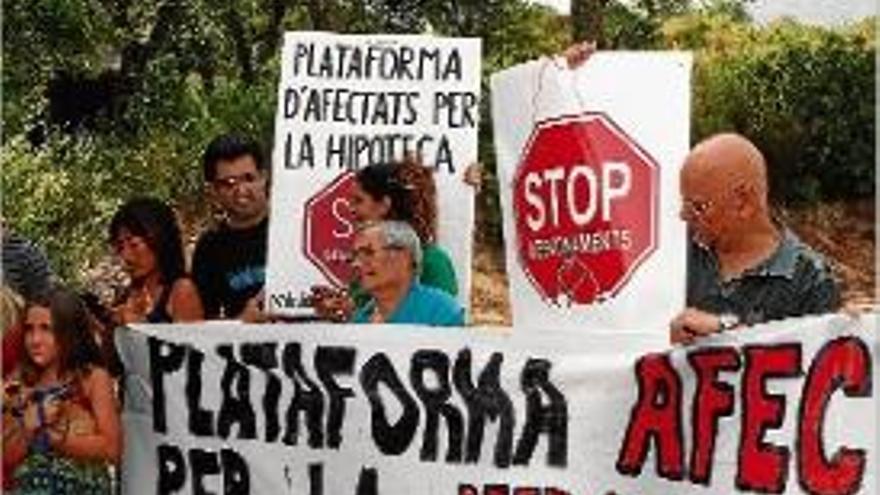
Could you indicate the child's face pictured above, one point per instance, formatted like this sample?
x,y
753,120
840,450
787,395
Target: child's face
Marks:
x,y
39,338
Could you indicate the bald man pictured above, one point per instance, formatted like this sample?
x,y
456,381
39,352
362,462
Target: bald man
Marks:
x,y
743,268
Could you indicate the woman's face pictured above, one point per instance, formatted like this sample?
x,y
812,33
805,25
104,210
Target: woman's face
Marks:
x,y
365,208
39,337
137,256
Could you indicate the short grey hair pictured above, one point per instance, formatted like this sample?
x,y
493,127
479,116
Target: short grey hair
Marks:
x,y
401,235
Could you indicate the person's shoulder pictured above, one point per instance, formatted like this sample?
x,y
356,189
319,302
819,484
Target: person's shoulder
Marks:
x,y
427,292
211,244
96,377
183,286
807,258
222,236
184,301
437,269
433,253
434,250
444,308
812,277
212,235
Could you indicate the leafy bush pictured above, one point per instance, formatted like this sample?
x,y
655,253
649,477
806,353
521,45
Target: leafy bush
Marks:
x,y
626,28
63,193
804,95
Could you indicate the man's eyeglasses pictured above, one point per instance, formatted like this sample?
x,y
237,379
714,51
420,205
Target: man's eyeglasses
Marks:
x,y
697,208
229,183
700,207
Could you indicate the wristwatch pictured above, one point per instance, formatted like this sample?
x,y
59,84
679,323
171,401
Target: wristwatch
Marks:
x,y
727,321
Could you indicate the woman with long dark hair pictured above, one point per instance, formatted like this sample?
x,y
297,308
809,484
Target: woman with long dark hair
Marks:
x,y
61,428
145,235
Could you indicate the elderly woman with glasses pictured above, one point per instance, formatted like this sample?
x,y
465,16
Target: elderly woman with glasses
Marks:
x,y
388,258
403,191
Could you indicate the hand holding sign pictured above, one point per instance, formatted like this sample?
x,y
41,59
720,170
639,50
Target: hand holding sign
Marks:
x,y
332,304
691,324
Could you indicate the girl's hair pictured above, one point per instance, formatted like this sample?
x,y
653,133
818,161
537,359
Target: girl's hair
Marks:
x,y
410,188
70,324
154,221
380,181
419,181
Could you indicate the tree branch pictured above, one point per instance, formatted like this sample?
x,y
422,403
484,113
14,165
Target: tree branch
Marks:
x,y
271,37
242,45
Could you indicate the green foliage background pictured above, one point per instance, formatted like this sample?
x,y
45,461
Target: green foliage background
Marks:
x,y
804,95
183,72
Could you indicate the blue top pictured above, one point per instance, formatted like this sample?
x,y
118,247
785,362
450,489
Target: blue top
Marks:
x,y
422,305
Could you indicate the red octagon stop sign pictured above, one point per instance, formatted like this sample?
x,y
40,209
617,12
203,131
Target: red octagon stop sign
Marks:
x,y
585,203
328,230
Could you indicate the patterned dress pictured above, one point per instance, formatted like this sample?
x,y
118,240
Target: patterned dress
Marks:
x,y
49,474
45,472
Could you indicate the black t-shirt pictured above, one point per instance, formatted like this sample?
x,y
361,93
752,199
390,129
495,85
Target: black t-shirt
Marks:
x,y
229,267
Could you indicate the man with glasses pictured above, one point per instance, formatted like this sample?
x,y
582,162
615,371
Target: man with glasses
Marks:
x,y
229,263
743,268
388,258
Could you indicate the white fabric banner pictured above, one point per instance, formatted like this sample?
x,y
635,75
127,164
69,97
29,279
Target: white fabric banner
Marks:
x,y
588,163
344,102
782,408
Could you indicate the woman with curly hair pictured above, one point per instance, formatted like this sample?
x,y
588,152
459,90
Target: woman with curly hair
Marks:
x,y
403,191
418,207
61,427
145,235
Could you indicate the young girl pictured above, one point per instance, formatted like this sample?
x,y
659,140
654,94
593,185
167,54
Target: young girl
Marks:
x,y
61,427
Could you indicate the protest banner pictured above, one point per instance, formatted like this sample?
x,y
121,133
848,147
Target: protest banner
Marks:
x,y
347,101
787,407
588,163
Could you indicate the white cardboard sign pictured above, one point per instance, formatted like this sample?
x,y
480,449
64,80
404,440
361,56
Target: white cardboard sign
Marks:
x,y
344,102
588,163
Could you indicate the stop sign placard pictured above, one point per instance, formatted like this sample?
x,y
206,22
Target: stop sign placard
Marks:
x,y
585,199
329,229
